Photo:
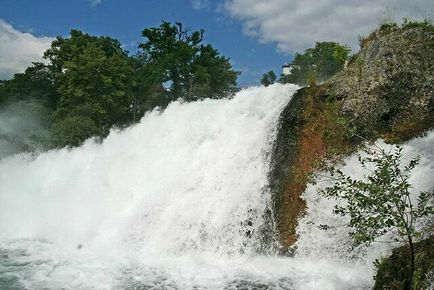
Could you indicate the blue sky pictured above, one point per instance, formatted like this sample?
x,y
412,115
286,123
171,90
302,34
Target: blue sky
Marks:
x,y
257,35
124,20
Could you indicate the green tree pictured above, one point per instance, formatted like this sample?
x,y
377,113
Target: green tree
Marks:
x,y
145,92
213,75
324,60
92,75
91,84
30,96
381,202
268,78
35,84
73,130
190,70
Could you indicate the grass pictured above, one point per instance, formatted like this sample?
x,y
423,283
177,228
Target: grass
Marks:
x,y
387,26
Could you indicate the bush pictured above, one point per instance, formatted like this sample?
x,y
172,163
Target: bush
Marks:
x,y
381,203
322,61
73,131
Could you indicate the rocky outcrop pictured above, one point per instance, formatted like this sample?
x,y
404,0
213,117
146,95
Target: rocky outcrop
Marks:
x,y
386,91
392,272
311,130
288,204
388,87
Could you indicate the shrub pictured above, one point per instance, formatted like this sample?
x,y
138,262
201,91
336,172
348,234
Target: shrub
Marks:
x,y
381,203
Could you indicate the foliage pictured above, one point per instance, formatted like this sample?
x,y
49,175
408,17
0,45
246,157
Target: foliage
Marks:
x,y
324,60
268,78
146,89
190,69
92,76
387,26
36,83
426,24
73,130
381,203
91,84
64,50
213,75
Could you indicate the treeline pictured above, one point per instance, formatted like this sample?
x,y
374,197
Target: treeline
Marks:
x,y
90,83
315,64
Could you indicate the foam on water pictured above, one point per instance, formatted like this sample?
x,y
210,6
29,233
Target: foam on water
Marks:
x,y
177,201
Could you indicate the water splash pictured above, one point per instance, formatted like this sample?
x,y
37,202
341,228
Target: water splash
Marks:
x,y
178,201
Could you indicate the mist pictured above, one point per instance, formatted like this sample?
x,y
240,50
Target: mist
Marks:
x,y
23,127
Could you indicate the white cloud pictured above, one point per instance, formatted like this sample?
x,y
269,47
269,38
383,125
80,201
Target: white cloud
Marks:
x,y
19,49
297,24
94,2
200,4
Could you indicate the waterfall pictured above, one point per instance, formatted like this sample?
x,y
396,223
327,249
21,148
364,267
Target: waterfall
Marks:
x,y
177,201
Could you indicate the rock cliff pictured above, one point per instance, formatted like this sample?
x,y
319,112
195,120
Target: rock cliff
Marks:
x,y
388,86
386,91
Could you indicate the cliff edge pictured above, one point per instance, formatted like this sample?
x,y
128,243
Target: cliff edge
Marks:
x,y
386,91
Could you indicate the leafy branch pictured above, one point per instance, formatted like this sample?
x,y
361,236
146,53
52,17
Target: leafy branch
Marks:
x,y
381,202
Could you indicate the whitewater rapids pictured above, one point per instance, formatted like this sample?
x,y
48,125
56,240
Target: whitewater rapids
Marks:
x,y
178,201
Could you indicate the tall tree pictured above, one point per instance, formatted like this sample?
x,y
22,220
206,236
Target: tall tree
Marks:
x,y
189,69
320,62
35,84
91,84
92,74
268,78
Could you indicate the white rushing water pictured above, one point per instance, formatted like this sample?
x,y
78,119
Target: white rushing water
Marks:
x,y
174,202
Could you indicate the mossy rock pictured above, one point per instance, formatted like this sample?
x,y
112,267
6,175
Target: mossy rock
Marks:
x,y
392,272
310,129
386,91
